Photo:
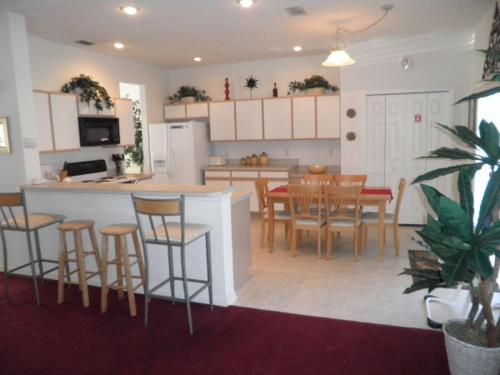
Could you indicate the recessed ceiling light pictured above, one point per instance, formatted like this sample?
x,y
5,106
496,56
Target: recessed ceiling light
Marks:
x,y
297,48
118,45
246,3
197,59
130,10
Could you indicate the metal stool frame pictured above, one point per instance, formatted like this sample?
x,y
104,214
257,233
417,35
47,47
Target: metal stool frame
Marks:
x,y
7,214
162,208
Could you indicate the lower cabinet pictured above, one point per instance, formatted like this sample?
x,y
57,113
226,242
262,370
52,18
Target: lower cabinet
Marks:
x,y
245,181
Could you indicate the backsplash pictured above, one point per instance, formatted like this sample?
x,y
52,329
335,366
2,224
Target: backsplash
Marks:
x,y
307,152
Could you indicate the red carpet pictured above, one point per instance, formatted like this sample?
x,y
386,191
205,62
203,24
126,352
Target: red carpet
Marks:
x,y
69,339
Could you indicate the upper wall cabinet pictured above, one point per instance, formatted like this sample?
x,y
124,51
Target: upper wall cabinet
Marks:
x,y
56,117
328,119
277,118
222,121
248,120
304,117
124,109
186,111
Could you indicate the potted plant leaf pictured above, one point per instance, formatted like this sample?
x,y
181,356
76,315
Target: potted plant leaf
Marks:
x,y
317,85
188,94
90,92
135,154
295,87
465,248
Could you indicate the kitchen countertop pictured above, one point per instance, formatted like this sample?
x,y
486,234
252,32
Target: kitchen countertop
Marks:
x,y
189,190
237,167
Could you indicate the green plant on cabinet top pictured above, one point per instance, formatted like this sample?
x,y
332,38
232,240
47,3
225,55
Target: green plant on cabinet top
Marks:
x,y
89,90
189,91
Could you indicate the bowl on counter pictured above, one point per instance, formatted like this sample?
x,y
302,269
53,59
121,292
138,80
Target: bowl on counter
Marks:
x,y
317,168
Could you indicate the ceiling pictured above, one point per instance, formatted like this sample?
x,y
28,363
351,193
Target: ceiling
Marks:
x,y
171,32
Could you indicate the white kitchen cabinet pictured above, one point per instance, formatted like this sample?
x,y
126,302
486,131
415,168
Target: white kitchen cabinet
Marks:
x,y
249,120
222,121
175,111
65,121
277,118
43,121
328,116
197,110
304,117
124,109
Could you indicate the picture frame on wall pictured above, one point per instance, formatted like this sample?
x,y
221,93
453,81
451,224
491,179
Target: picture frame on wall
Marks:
x,y
4,136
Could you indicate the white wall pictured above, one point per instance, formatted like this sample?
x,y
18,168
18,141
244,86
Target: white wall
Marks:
x,y
53,64
440,62
16,103
281,71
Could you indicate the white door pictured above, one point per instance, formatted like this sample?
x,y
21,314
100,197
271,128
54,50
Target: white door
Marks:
x,y
304,117
65,121
278,118
222,121
125,112
328,116
43,121
395,138
249,120
416,144
158,149
375,140
180,148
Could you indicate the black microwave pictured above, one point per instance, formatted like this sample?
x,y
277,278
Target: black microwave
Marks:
x,y
97,131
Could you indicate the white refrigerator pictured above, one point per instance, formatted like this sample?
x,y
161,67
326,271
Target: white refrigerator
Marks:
x,y
179,151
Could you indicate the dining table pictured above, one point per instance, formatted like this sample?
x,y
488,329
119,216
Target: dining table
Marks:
x,y
371,196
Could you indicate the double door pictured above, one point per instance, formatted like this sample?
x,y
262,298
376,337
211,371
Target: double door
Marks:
x,y
400,129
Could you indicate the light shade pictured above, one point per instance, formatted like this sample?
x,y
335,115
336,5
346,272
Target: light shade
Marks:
x,y
338,57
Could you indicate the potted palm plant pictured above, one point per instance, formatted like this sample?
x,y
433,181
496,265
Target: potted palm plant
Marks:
x,y
465,248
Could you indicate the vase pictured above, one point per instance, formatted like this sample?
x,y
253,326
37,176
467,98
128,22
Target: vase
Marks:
x,y
468,359
316,91
188,100
226,91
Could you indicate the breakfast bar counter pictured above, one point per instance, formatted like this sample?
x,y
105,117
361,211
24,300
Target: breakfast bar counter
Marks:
x,y
107,204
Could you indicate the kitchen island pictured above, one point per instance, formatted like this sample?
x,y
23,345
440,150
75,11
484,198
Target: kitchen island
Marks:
x,y
111,203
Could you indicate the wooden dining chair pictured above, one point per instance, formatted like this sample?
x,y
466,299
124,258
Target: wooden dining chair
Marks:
x,y
343,214
303,199
391,220
350,180
262,188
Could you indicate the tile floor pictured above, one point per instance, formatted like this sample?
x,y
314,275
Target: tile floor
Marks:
x,y
366,290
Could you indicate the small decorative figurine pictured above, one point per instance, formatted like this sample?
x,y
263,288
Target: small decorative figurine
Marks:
x,y
275,91
226,86
251,84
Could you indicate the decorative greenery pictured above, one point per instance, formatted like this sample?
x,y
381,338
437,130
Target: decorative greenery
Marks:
x,y
310,83
464,247
135,154
187,91
251,83
89,90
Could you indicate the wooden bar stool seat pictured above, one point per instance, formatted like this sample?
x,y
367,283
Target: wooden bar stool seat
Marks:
x,y
76,227
122,264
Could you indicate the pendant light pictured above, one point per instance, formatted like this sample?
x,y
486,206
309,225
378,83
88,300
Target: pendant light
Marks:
x,y
338,55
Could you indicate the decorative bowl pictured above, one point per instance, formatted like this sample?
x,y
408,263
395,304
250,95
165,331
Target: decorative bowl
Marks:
x,y
317,168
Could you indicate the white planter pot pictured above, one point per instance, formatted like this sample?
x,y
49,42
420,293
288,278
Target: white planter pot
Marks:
x,y
188,100
316,91
468,359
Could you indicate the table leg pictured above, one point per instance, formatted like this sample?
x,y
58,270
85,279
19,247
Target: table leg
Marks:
x,y
270,226
381,229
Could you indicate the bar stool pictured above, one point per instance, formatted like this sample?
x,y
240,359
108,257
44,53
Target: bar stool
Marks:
x,y
76,227
172,233
122,263
26,223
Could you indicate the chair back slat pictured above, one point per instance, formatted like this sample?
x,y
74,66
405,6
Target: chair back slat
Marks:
x,y
262,188
350,180
9,201
318,179
305,201
342,202
158,209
